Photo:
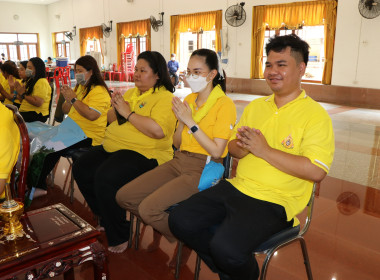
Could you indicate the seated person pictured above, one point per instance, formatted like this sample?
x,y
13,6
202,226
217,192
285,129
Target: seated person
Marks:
x,y
138,138
87,105
284,143
205,122
50,62
7,89
10,146
173,67
36,94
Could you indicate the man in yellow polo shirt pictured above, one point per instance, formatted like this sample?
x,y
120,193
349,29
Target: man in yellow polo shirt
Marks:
x,y
284,143
9,146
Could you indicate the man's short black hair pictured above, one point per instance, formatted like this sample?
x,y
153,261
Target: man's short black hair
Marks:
x,y
299,48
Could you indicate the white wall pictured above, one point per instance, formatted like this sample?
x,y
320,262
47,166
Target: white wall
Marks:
x,y
32,19
357,46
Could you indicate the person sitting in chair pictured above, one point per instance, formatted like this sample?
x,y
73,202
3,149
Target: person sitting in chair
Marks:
x,y
173,67
284,143
205,122
9,146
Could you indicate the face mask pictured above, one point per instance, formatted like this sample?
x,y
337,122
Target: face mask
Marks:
x,y
80,79
197,84
173,58
29,73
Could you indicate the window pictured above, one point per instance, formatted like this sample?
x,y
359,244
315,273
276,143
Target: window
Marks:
x,y
191,41
93,45
19,46
138,43
62,45
314,36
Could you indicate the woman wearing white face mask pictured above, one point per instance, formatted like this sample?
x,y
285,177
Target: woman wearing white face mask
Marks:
x,y
36,94
87,105
205,122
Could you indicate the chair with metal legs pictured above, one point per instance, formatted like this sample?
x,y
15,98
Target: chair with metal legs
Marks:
x,y
279,240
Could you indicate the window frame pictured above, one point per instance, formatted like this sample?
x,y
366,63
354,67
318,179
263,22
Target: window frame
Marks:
x,y
18,50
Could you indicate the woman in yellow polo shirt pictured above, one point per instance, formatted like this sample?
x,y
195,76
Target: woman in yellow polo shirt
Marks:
x,y
87,105
138,138
7,89
36,94
9,146
205,122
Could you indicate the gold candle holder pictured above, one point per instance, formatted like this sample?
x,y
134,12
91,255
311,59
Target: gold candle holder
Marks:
x,y
10,214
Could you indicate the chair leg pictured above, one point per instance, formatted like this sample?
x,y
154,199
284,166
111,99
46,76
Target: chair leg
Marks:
x,y
306,258
71,181
264,268
131,219
137,234
197,268
178,263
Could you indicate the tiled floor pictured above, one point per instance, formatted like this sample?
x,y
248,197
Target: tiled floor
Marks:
x,y
343,240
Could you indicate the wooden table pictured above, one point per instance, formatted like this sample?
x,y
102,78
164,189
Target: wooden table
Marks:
x,y
55,241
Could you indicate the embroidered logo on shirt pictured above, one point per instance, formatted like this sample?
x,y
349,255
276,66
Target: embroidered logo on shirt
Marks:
x,y
288,142
142,105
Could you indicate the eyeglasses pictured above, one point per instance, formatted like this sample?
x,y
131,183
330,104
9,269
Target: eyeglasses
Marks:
x,y
195,76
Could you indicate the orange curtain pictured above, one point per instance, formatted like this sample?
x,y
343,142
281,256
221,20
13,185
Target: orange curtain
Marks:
x,y
53,40
294,15
206,21
132,29
86,34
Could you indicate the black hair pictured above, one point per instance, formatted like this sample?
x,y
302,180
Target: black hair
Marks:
x,y
212,61
24,63
10,68
49,58
299,48
40,73
89,63
158,65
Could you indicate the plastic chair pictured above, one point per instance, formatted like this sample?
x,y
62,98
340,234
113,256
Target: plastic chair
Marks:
x,y
21,186
118,72
66,75
279,240
111,72
227,163
57,77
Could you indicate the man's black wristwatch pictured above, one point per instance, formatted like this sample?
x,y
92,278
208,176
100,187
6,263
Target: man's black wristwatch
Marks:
x,y
73,100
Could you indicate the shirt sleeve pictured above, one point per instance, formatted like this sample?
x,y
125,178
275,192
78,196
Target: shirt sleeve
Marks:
x,y
318,142
98,99
163,115
225,119
42,89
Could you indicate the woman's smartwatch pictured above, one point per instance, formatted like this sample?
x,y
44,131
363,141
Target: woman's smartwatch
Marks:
x,y
193,129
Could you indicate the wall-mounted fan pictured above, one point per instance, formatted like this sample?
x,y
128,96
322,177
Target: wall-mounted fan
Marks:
x,y
235,15
107,29
157,23
369,8
69,35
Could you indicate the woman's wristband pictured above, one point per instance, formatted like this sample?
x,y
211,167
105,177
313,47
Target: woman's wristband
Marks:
x,y
130,114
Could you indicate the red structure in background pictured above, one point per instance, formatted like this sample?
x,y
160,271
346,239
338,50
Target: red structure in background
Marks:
x,y
128,62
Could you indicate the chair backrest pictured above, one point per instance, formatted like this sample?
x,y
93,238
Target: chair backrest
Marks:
x,y
21,187
129,48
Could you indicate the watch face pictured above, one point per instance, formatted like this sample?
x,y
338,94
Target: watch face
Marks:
x,y
194,128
